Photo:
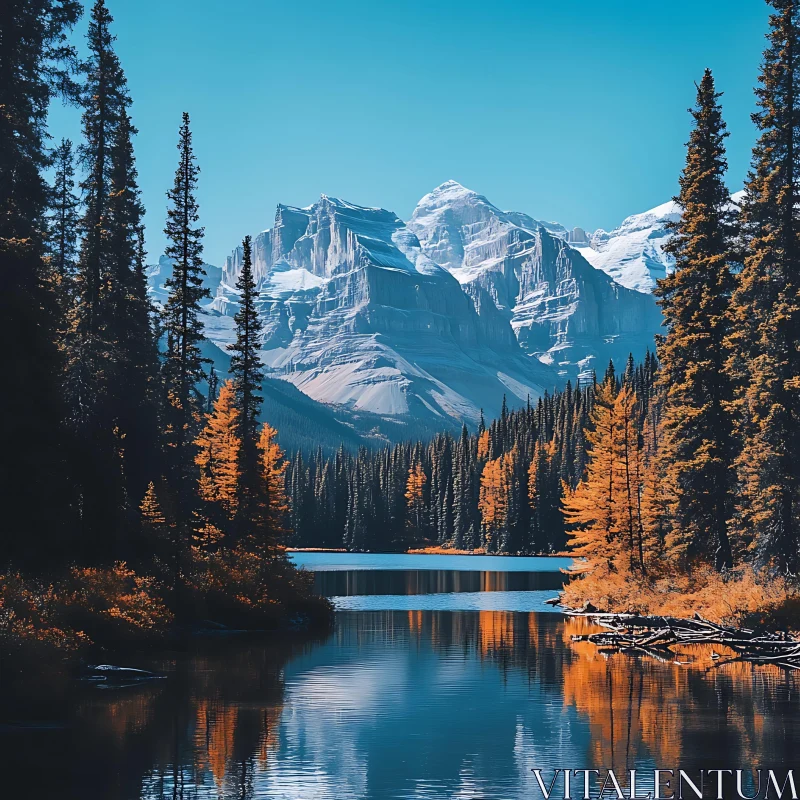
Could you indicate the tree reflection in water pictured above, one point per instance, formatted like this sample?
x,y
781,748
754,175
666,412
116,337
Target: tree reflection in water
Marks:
x,y
224,723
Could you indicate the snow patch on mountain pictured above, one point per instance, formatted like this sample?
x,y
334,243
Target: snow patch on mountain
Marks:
x,y
633,253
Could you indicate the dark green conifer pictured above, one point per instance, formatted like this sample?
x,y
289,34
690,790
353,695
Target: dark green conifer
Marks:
x,y
63,229
765,359
698,449
36,62
248,373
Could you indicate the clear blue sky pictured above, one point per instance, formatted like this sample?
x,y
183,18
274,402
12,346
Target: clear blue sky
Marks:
x,y
570,111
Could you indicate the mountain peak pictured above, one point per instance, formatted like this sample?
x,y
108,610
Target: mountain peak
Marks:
x,y
451,187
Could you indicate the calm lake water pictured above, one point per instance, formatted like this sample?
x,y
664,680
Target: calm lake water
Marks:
x,y
439,680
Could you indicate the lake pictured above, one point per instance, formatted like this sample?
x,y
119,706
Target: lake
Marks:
x,y
444,677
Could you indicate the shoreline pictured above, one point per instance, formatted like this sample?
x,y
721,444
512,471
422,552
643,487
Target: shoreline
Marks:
x,y
425,551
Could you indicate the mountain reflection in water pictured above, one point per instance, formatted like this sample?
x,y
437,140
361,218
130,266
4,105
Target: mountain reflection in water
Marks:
x,y
423,704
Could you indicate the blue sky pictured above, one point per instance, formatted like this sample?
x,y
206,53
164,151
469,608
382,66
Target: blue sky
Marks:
x,y
574,112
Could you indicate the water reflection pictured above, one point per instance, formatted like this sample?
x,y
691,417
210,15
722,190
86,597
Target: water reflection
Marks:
x,y
340,583
397,705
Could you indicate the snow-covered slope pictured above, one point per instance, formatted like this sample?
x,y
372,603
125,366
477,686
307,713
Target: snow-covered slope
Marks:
x,y
358,314
563,311
157,274
633,253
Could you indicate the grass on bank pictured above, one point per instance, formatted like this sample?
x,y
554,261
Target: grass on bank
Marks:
x,y
89,608
744,596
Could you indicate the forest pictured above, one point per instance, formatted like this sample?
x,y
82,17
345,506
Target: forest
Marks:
x,y
142,493
129,517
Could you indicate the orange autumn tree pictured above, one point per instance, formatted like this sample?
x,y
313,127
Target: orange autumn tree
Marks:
x,y
275,465
628,477
218,453
613,514
590,509
494,498
484,446
415,499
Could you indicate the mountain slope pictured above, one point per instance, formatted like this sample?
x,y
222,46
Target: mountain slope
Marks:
x,y
358,315
563,311
633,253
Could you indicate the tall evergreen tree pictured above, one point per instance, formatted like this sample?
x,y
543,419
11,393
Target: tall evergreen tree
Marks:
x,y
698,449
34,68
766,305
183,361
95,359
247,375
105,101
63,233
135,389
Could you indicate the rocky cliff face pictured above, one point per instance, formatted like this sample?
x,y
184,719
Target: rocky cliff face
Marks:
x,y
432,320
563,311
358,314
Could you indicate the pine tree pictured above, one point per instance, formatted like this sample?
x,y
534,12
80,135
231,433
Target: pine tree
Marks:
x,y
698,447
182,367
135,391
213,387
217,456
545,497
35,65
463,495
276,530
63,232
415,486
590,510
95,360
105,101
766,307
494,501
247,375
183,361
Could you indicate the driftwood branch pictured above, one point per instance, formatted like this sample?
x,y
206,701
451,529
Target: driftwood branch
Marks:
x,y
656,636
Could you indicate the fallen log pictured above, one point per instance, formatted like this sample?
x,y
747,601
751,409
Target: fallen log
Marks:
x,y
655,636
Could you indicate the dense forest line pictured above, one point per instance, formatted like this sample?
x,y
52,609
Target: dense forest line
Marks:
x,y
499,490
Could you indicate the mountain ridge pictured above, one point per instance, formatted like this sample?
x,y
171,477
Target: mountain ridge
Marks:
x,y
432,320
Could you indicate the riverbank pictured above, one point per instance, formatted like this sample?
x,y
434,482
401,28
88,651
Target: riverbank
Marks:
x,y
88,612
430,551
743,597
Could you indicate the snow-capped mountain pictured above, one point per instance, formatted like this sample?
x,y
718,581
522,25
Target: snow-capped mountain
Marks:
x,y
429,321
359,315
157,275
564,311
633,253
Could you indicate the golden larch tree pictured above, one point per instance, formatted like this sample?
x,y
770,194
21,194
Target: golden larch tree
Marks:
x,y
590,510
493,501
415,500
218,452
275,466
